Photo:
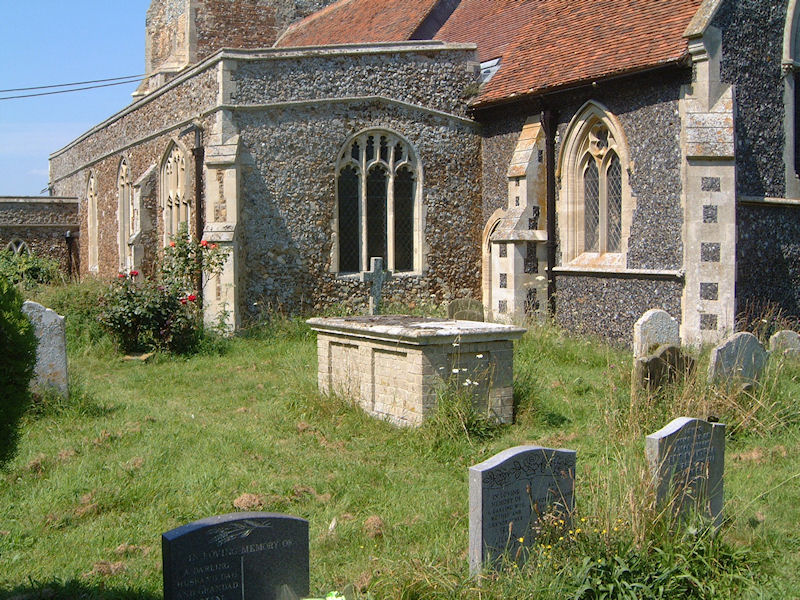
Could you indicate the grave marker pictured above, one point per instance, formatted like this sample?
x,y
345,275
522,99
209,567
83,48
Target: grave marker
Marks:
x,y
785,343
687,461
508,493
378,277
666,365
741,358
51,351
655,327
238,556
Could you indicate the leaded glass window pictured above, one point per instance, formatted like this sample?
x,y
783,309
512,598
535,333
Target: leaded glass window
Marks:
x,y
377,190
175,202
91,221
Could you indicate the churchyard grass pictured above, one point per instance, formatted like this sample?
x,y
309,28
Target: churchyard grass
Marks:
x,y
143,447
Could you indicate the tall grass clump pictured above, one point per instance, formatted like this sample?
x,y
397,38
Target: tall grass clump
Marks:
x,y
29,270
79,303
17,362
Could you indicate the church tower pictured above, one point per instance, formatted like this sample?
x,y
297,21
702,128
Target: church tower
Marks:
x,y
180,33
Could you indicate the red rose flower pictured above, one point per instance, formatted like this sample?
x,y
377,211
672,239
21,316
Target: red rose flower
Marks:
x,y
134,273
191,297
183,300
213,246
172,244
204,243
121,276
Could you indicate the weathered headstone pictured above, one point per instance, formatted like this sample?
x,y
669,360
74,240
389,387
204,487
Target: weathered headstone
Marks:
x,y
507,495
687,461
239,556
666,365
51,352
654,328
740,359
465,309
378,277
785,343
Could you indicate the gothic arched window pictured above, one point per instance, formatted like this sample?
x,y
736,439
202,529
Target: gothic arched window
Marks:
x,y
125,215
595,205
18,246
377,192
175,202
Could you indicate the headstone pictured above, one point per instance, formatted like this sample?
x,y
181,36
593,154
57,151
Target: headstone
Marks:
x,y
239,556
378,277
666,365
507,495
739,359
785,343
655,327
51,352
465,309
687,461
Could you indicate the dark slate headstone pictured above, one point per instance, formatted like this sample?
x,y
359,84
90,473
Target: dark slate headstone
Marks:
x,y
687,461
508,493
239,556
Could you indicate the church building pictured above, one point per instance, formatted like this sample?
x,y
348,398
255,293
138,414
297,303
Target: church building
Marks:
x,y
593,159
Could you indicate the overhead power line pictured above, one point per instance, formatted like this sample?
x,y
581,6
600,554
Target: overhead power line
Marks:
x,y
57,85
77,89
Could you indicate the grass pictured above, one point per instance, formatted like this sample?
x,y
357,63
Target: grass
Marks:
x,y
145,447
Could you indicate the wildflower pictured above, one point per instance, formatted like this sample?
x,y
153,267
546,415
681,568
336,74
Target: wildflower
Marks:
x,y
134,273
455,370
577,530
479,356
172,244
583,519
616,528
561,539
521,540
204,243
605,531
191,297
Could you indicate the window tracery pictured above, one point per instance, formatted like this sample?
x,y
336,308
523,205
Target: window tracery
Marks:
x,y
91,218
377,189
175,203
125,215
18,247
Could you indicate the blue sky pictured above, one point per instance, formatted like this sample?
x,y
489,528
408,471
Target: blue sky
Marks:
x,y
50,42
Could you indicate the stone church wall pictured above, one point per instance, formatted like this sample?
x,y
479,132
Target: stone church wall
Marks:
x,y
140,134
647,107
310,106
752,50
48,226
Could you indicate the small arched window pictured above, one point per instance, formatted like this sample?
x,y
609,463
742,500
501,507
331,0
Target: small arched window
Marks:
x,y
176,208
377,192
125,215
18,247
91,221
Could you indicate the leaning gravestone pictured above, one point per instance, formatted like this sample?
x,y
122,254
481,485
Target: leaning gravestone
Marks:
x,y
654,328
739,359
51,351
666,365
239,556
465,309
687,461
508,493
785,343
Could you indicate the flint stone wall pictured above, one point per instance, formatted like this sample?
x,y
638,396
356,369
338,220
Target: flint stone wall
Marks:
x,y
42,223
752,50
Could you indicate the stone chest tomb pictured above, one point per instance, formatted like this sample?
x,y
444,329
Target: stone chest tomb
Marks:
x,y
395,365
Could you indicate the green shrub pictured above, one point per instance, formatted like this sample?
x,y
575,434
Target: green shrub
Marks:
x,y
28,269
145,315
17,362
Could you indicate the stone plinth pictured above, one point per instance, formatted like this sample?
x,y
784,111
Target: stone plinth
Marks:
x,y
395,365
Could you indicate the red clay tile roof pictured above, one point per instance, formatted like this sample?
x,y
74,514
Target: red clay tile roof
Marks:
x,y
544,44
568,42
358,22
492,24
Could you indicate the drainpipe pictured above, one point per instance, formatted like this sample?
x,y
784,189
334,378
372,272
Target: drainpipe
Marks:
x,y
548,120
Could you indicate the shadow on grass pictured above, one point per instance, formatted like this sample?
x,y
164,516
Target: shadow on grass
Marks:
x,y
74,590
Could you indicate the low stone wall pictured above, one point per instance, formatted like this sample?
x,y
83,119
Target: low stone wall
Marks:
x,y
47,226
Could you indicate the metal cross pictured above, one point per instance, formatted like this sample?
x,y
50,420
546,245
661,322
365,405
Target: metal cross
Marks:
x,y
378,277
